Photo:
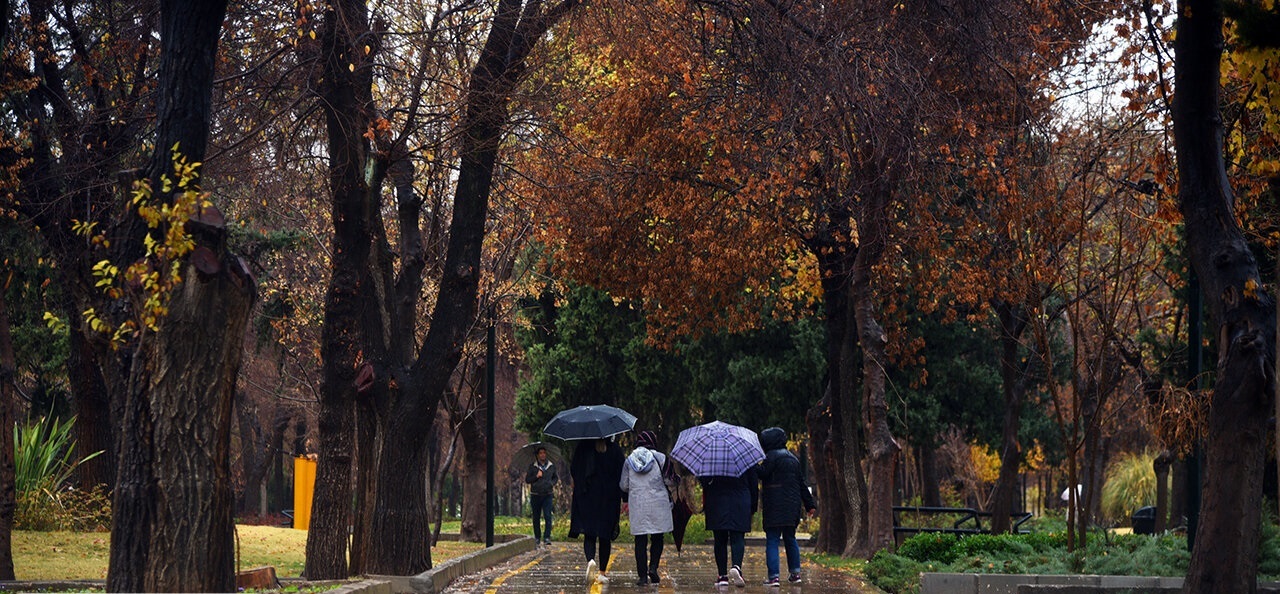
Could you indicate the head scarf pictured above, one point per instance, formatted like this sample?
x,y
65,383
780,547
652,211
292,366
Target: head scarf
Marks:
x,y
646,439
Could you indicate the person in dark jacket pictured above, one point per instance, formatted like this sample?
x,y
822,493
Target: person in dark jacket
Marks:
x,y
597,501
728,504
783,497
541,477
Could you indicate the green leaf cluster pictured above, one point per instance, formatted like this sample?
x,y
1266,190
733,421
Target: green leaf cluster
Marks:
x,y
583,347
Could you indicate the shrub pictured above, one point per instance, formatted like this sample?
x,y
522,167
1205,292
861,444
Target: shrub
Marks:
x,y
930,546
43,454
895,573
1130,484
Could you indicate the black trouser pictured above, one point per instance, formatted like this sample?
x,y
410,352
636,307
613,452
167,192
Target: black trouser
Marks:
x,y
726,539
589,548
541,505
648,553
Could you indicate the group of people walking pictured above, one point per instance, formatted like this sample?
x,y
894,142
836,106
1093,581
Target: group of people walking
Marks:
x,y
644,485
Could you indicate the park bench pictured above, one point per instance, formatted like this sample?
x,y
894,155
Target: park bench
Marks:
x,y
967,520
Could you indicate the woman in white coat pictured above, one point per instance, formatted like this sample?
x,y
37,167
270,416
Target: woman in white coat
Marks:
x,y
647,503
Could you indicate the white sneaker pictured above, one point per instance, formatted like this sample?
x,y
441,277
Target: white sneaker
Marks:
x,y
735,576
593,571
602,579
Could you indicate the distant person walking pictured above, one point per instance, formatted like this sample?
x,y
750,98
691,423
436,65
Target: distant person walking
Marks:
x,y
728,503
783,496
648,504
541,477
597,500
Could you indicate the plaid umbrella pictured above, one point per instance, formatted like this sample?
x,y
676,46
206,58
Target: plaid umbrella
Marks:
x,y
718,449
596,421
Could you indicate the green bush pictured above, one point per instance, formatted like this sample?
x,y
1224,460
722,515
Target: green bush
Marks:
x,y
895,573
930,546
44,458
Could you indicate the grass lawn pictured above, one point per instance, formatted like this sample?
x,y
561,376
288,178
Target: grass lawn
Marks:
x,y
83,555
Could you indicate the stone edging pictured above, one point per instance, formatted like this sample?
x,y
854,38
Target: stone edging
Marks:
x,y
435,580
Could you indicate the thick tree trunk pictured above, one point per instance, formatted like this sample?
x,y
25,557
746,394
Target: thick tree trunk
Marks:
x,y
1225,558
8,498
837,475
882,448
173,521
346,98
400,527
1012,324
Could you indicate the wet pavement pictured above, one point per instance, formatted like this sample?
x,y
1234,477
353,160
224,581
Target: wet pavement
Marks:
x,y
561,569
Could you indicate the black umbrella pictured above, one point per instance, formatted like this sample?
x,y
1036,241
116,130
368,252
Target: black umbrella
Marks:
x,y
595,421
525,456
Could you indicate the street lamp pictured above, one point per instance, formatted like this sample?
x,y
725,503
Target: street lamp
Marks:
x,y
490,361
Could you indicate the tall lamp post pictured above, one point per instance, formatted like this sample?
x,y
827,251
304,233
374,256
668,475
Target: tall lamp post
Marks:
x,y
490,361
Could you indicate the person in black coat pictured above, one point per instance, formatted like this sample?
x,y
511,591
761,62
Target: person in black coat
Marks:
x,y
541,477
728,504
597,501
783,497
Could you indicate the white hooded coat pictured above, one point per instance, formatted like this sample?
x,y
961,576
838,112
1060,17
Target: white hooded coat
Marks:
x,y
647,499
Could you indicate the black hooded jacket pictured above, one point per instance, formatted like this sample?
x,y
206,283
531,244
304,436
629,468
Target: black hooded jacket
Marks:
x,y
783,494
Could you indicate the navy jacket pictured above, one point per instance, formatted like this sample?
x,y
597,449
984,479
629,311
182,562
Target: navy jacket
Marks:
x,y
783,494
729,501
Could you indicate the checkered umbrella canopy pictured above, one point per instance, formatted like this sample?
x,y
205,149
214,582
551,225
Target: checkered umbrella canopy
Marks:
x,y
718,449
595,421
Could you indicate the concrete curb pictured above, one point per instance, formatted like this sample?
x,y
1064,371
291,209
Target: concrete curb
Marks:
x,y
435,579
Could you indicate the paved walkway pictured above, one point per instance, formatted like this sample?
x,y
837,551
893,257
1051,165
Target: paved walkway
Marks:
x,y
561,569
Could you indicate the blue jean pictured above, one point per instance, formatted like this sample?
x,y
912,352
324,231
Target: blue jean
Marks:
x,y
541,505
787,535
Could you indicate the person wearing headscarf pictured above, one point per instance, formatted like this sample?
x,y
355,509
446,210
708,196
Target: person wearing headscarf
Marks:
x,y
596,471
647,503
783,498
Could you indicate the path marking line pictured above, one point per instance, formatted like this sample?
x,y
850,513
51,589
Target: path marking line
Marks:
x,y
497,583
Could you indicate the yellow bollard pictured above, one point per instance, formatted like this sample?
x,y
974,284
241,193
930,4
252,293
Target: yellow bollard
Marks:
x,y
304,484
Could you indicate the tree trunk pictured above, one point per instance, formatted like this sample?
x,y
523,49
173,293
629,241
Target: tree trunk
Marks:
x,y
1012,324
1162,463
174,522
473,479
930,493
400,531
1225,558
837,476
882,448
398,547
346,98
95,424
8,498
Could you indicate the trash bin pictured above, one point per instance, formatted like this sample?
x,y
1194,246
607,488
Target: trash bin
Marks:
x,y
1144,520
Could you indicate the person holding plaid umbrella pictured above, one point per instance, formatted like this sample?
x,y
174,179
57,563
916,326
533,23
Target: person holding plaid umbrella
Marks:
x,y
724,457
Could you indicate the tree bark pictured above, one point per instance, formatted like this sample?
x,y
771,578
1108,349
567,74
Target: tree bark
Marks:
x,y
471,431
173,525
1225,558
1012,324
346,99
8,498
882,448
